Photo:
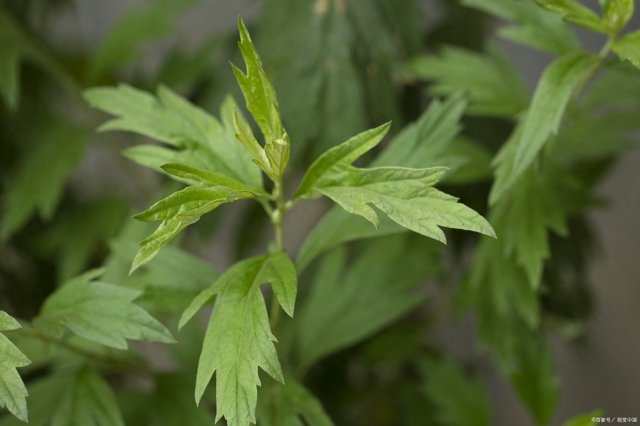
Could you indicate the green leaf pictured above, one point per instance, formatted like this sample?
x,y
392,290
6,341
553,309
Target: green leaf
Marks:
x,y
628,48
78,234
57,151
196,175
125,40
493,86
44,398
339,156
535,378
88,400
348,303
431,141
197,138
277,269
9,73
238,338
572,11
13,393
543,119
169,283
179,210
261,101
617,14
406,196
533,26
312,48
290,405
584,419
101,312
458,400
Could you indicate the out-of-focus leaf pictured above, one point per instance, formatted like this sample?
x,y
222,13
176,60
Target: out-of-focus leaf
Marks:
x,y
44,399
172,120
9,73
346,305
489,80
89,400
585,419
628,48
101,312
531,25
573,11
169,284
617,13
13,394
535,378
290,404
542,120
37,183
125,40
458,400
77,234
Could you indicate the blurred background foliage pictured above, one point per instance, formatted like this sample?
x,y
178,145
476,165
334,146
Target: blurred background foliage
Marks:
x,y
363,341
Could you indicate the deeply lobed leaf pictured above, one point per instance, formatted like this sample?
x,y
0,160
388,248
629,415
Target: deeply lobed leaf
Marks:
x,y
101,312
239,340
13,393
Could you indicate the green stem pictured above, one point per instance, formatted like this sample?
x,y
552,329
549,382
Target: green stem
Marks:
x,y
277,217
602,55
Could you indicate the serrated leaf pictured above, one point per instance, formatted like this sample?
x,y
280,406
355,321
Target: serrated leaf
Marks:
x,y
239,340
533,26
489,80
341,155
428,142
458,400
405,195
198,138
348,303
572,11
13,393
58,149
628,48
179,210
290,405
127,37
89,400
262,102
101,312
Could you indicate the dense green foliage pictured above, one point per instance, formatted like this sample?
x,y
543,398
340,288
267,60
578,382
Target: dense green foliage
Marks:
x,y
80,278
